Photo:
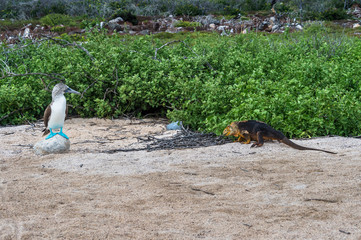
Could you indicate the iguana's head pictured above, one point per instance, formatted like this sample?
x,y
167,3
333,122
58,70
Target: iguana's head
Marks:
x,y
231,130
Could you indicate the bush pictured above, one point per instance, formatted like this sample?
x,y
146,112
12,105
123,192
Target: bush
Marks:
x,y
282,7
327,15
187,24
54,19
303,85
187,10
58,29
334,14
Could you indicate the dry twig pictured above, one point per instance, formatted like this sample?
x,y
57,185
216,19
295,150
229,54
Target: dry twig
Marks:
x,y
70,44
182,140
168,43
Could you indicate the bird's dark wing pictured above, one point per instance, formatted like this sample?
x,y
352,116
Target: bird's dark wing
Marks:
x,y
47,114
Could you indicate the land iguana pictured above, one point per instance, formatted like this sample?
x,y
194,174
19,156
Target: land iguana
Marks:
x,y
253,130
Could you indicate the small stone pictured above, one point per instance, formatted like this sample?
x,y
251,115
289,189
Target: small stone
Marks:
x,y
56,144
212,26
26,33
299,27
115,24
222,28
275,28
263,25
356,25
145,32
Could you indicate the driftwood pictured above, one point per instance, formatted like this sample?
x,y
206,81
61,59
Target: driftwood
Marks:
x,y
182,140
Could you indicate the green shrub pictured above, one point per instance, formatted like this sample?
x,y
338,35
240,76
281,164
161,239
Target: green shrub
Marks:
x,y
115,5
39,10
230,10
327,15
58,29
282,7
54,19
73,37
187,10
15,25
187,24
251,5
302,84
334,14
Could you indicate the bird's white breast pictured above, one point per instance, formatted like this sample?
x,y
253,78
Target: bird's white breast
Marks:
x,y
57,116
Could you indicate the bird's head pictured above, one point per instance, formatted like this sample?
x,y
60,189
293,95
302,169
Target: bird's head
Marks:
x,y
60,88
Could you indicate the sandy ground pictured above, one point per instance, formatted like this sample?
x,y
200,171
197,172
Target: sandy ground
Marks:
x,y
229,191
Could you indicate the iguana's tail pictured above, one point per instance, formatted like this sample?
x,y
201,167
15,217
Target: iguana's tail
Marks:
x,y
288,142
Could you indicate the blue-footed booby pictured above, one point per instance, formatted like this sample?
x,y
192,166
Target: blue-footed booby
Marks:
x,y
55,113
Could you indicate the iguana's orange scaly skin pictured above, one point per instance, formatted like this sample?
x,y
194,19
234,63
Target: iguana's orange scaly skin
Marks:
x,y
252,130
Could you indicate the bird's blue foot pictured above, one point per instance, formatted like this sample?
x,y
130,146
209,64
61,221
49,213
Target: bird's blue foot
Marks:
x,y
52,134
63,134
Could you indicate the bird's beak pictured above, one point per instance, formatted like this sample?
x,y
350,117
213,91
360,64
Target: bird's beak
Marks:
x,y
69,90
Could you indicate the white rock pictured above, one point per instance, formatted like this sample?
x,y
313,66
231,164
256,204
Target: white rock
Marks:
x,y
299,27
116,20
212,26
114,24
275,28
56,144
26,33
145,32
356,25
222,28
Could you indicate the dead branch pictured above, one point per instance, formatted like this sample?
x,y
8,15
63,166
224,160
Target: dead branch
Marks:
x,y
200,190
67,43
345,232
182,140
321,200
168,43
90,85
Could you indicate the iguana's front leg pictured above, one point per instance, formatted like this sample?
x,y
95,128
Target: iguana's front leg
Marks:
x,y
244,134
260,140
240,138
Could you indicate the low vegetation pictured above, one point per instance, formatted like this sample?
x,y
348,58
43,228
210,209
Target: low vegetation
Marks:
x,y
305,84
305,9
